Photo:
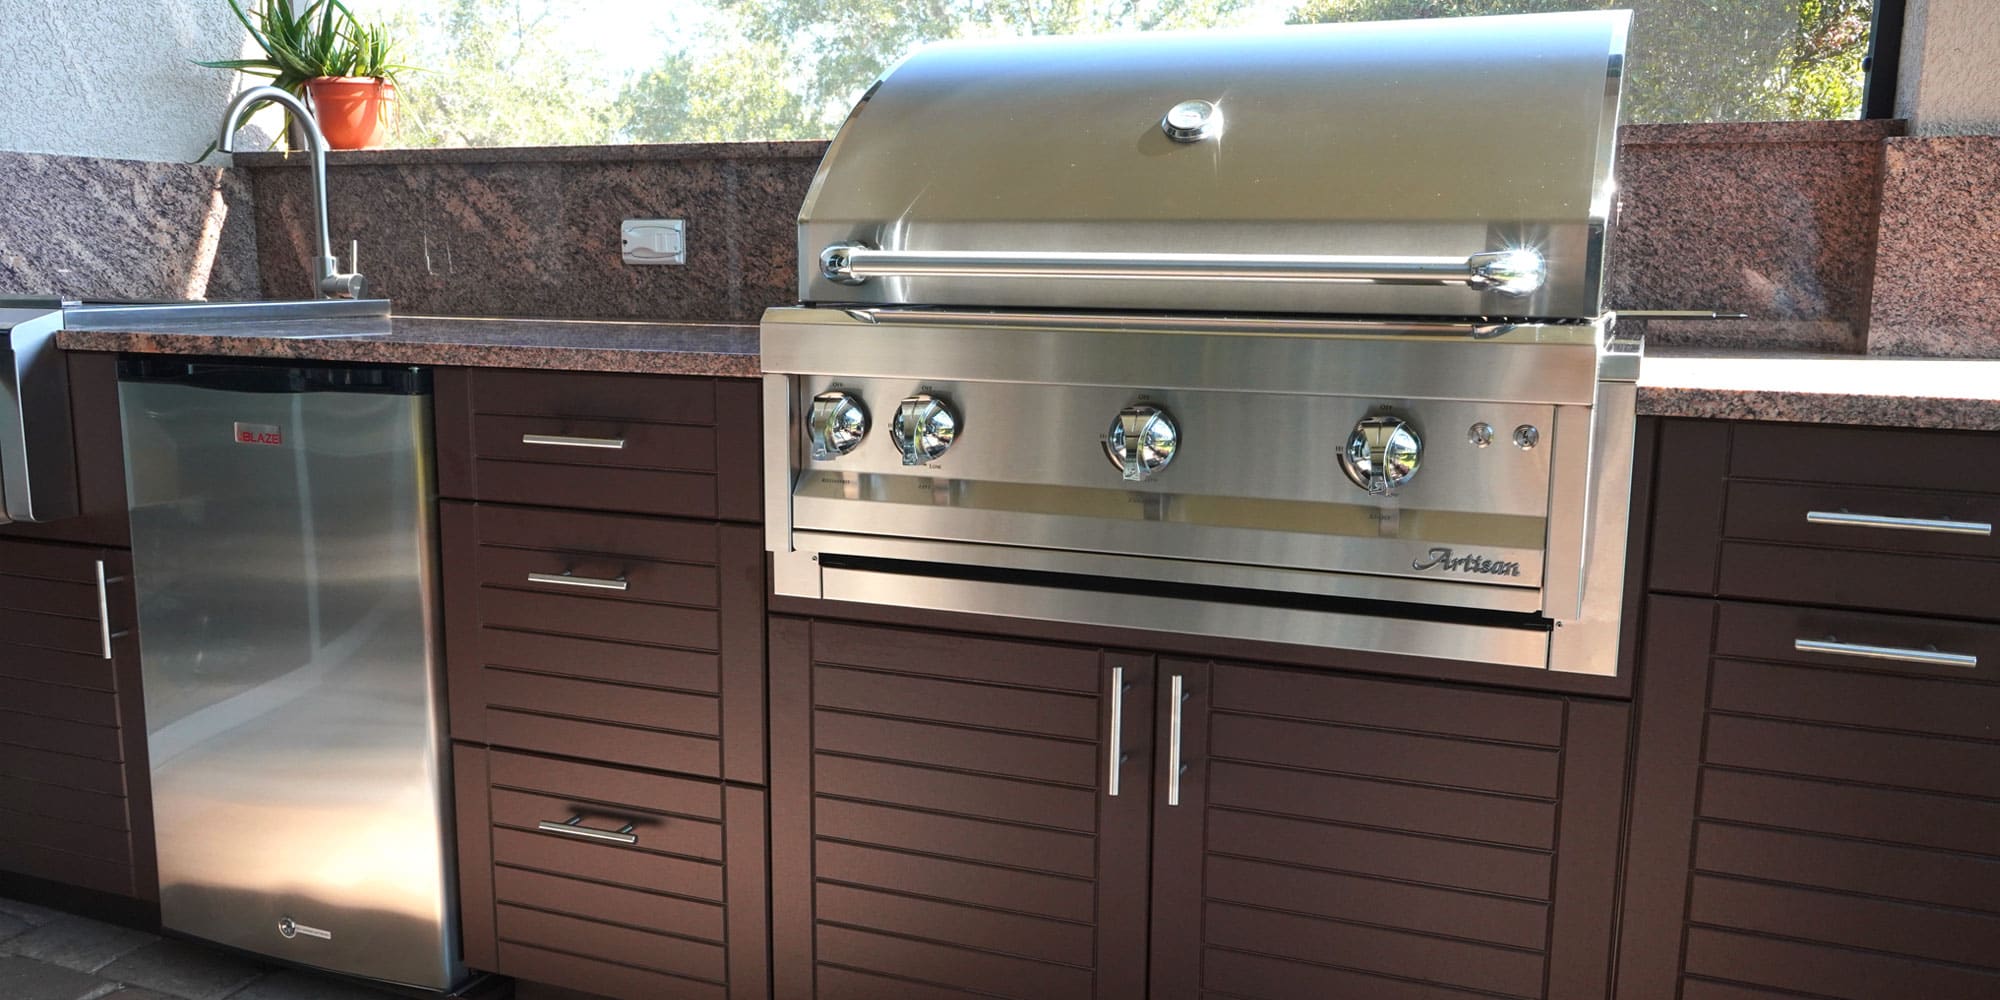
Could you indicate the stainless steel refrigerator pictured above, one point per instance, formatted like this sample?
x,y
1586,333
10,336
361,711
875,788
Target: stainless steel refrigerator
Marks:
x,y
283,547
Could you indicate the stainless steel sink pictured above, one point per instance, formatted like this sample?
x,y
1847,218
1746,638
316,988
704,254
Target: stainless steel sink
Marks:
x,y
303,318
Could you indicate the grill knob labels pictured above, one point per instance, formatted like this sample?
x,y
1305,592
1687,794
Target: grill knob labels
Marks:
x,y
1382,454
1157,438
925,428
836,425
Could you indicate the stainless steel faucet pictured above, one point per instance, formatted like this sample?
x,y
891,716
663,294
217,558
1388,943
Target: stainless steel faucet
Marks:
x,y
331,282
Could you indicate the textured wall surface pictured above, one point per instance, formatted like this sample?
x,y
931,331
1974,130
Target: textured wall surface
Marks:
x,y
1949,80
113,77
535,232
85,227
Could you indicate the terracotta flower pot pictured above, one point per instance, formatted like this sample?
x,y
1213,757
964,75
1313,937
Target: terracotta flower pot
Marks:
x,y
354,111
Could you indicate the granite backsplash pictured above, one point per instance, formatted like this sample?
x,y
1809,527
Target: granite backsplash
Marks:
x,y
535,232
93,228
1776,220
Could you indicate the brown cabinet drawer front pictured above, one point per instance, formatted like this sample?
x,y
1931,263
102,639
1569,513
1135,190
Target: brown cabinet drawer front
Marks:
x,y
1889,581
70,868
686,446
602,396
702,961
1764,632
678,913
639,676
1810,514
68,836
564,441
684,836
1862,456
591,659
36,798
620,621
57,632
1803,968
596,978
89,671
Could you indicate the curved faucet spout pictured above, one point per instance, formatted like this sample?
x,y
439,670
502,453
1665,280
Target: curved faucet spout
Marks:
x,y
329,281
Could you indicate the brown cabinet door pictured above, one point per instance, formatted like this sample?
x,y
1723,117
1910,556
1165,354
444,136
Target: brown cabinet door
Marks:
x,y
1327,835
75,805
956,816
1809,822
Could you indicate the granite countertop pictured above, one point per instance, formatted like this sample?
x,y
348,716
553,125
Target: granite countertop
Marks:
x,y
1942,393
1939,393
575,345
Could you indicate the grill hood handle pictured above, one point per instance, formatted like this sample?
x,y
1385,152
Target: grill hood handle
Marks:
x,y
1515,272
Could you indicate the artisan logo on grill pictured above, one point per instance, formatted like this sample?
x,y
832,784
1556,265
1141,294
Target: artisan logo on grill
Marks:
x,y
1444,559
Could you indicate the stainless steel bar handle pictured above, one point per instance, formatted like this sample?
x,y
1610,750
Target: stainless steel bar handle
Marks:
x,y
1510,272
566,441
1117,730
103,609
1175,696
1899,654
1844,519
572,827
571,580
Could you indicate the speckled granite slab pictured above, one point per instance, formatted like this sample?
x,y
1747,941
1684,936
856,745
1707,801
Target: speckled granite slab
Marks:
x,y
569,345
1937,291
90,228
1945,394
1773,219
535,232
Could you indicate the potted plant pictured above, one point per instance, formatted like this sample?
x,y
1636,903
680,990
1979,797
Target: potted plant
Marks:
x,y
343,69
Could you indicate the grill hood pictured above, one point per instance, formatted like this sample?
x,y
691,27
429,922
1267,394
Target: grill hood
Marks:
x,y
1454,167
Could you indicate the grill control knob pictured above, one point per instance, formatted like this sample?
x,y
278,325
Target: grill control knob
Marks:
x,y
925,428
836,425
1382,454
1156,437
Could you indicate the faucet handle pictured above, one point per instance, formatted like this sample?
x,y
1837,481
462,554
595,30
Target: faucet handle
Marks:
x,y
350,284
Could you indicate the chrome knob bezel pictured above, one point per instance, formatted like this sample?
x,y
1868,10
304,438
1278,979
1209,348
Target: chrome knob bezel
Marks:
x,y
1382,455
837,424
1159,439
925,428
1192,121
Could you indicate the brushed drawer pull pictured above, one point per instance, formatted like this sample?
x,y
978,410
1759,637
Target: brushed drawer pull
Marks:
x,y
1928,656
565,441
572,827
1846,519
571,580
1117,754
1176,696
103,609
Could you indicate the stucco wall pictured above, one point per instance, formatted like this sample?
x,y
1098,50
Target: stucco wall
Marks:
x,y
113,77
1949,81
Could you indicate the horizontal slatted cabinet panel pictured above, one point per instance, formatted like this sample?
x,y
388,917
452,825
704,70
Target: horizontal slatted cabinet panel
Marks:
x,y
653,887
1890,520
1327,835
944,818
74,801
628,639
1828,823
644,444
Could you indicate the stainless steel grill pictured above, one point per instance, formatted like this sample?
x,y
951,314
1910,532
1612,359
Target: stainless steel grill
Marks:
x,y
1290,335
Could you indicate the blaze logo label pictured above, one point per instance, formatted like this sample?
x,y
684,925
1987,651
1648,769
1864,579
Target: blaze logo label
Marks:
x,y
266,434
1444,559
